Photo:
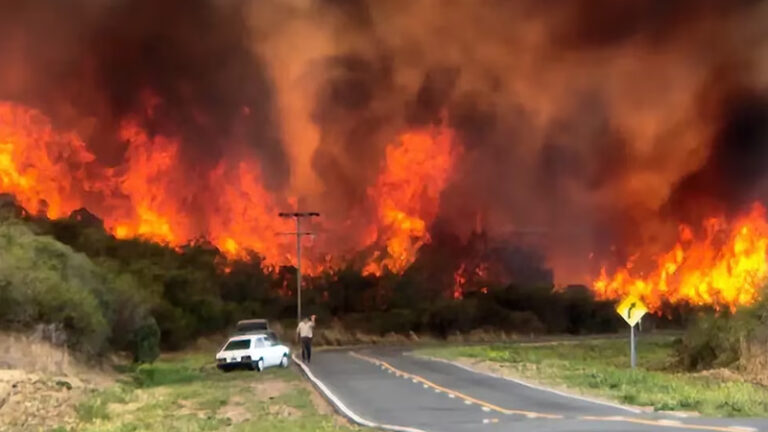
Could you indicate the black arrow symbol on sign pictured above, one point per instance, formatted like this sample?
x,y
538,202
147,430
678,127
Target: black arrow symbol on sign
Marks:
x,y
629,310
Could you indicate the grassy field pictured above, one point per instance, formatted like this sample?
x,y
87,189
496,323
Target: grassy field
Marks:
x,y
186,393
601,368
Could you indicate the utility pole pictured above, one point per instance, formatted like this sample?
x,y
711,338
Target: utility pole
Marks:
x,y
298,216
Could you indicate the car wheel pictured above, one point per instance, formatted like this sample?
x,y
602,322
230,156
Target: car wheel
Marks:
x,y
260,365
248,363
284,361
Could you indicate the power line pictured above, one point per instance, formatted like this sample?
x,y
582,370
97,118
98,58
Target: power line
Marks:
x,y
299,233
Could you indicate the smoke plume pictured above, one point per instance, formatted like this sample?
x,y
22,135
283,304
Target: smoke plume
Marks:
x,y
595,125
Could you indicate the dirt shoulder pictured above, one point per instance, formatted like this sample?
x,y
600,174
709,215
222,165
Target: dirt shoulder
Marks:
x,y
41,384
185,392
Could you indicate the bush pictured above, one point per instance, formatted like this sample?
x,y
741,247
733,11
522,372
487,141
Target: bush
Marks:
x,y
399,321
525,322
134,295
450,316
175,326
45,281
719,339
145,342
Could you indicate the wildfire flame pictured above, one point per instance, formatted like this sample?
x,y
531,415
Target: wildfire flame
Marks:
x,y
41,167
407,196
148,196
724,267
466,275
459,279
154,196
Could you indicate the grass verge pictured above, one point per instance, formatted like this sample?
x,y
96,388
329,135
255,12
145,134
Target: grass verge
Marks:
x,y
601,368
187,393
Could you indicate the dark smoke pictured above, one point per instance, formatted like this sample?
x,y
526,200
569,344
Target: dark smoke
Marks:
x,y
594,121
109,60
737,163
589,24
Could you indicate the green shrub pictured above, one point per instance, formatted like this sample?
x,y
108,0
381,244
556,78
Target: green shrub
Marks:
x,y
715,339
164,373
133,295
46,281
449,316
146,342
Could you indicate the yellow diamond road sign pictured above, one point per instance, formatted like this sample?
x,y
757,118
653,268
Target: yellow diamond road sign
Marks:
x,y
631,309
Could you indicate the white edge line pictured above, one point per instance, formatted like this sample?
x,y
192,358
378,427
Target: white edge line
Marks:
x,y
343,408
533,386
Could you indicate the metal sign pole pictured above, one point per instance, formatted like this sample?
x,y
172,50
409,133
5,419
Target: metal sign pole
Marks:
x,y
632,310
632,350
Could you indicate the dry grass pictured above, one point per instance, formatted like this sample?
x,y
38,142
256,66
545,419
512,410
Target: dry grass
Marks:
x,y
42,384
187,393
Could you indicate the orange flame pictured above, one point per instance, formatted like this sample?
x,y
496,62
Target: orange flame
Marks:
x,y
148,196
467,278
725,268
407,196
39,166
459,279
154,194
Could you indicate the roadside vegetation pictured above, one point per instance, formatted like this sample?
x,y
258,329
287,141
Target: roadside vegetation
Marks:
x,y
186,393
97,294
601,368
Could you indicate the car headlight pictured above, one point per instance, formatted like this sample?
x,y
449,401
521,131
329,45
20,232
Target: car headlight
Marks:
x,y
221,360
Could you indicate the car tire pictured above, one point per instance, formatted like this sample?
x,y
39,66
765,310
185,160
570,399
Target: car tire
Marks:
x,y
284,361
259,365
248,363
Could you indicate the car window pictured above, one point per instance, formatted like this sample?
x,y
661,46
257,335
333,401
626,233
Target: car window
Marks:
x,y
239,344
259,342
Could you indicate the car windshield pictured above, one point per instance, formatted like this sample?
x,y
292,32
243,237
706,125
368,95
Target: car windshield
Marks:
x,y
240,344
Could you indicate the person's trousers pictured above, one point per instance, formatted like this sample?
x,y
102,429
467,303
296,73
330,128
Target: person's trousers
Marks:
x,y
306,349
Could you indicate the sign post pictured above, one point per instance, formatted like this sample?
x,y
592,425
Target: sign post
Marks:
x,y
632,310
632,349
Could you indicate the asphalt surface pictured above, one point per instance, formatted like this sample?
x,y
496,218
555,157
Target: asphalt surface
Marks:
x,y
390,387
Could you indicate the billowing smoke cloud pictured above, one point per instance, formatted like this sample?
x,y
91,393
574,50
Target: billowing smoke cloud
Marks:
x,y
179,68
594,124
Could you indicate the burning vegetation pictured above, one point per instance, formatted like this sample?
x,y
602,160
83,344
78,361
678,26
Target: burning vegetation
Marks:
x,y
724,266
634,134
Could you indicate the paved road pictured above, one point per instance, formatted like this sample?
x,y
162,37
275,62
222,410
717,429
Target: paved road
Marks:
x,y
392,388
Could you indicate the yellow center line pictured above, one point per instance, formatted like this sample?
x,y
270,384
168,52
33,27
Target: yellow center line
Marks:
x,y
532,414
662,423
453,392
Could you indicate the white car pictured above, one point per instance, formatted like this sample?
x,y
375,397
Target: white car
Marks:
x,y
254,352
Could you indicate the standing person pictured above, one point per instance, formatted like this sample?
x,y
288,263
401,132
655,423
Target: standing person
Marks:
x,y
304,333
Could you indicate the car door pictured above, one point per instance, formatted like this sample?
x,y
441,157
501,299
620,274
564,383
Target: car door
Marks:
x,y
265,350
260,350
276,349
272,351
